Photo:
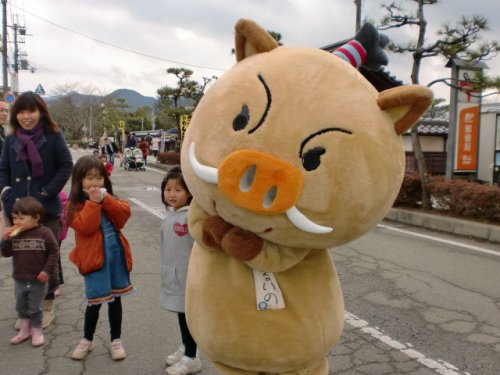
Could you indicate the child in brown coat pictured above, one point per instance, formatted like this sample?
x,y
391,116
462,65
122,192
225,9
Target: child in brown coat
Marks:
x,y
35,253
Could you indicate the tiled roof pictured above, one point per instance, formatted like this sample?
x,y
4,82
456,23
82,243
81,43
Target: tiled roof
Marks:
x,y
428,126
490,108
432,129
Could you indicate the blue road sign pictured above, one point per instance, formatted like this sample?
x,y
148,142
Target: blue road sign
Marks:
x,y
39,90
9,97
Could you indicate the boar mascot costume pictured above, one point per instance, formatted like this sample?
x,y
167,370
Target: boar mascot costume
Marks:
x,y
289,153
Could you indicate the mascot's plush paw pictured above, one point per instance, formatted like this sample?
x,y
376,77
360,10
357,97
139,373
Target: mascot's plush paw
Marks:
x,y
213,230
241,244
373,42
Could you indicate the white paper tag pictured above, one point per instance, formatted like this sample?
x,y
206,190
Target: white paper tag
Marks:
x,y
267,291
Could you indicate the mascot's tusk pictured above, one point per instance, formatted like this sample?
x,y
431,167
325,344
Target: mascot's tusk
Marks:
x,y
207,174
303,223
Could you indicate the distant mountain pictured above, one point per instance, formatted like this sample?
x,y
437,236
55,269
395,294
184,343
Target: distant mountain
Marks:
x,y
77,98
136,100
133,98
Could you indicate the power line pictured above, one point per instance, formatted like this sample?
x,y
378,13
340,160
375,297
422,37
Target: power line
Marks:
x,y
117,46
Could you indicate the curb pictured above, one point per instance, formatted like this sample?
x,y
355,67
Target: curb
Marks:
x,y
445,224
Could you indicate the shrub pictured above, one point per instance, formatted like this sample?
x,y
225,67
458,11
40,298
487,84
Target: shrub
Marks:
x,y
169,157
457,197
410,194
468,199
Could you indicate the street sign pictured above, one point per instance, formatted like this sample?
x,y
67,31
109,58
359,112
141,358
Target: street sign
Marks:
x,y
39,90
9,97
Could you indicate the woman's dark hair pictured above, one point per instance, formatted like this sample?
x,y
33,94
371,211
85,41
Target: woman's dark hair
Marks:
x,y
28,206
31,102
83,166
174,174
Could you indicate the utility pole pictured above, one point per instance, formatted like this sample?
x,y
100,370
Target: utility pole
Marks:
x,y
4,46
18,64
20,57
16,50
358,14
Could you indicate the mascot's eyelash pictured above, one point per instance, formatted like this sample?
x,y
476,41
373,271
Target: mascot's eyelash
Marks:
x,y
322,131
312,158
268,105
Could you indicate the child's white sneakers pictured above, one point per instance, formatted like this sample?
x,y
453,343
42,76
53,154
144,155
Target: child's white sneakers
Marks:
x,y
117,351
83,348
172,359
185,366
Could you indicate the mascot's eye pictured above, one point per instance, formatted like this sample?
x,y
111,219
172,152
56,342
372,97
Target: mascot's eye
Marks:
x,y
312,158
241,121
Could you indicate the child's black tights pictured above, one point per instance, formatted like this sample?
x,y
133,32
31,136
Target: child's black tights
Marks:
x,y
114,316
187,339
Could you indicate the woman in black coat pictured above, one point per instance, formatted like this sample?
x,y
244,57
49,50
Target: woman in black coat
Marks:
x,y
35,162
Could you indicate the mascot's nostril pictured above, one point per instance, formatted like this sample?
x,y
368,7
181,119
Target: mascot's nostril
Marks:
x,y
270,196
248,178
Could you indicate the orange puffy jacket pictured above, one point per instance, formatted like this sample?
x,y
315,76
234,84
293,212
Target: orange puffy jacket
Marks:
x,y
88,253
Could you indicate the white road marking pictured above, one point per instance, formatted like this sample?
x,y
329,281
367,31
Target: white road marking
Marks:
x,y
147,208
440,366
449,242
156,170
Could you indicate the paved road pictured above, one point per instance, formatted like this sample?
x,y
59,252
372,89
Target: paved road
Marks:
x,y
431,296
375,303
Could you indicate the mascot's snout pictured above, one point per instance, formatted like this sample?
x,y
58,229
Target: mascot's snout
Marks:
x,y
259,182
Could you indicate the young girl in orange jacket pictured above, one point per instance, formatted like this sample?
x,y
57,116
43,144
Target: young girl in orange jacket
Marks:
x,y
101,253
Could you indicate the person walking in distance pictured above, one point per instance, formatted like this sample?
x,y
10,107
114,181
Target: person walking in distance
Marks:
x,y
35,162
101,252
131,141
155,146
176,244
4,115
109,149
107,164
35,253
144,147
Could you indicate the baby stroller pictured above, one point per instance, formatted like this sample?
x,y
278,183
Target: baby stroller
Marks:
x,y
133,159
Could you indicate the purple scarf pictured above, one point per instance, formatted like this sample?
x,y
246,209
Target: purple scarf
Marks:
x,y
27,149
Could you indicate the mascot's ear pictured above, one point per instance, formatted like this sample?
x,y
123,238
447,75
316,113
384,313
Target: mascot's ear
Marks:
x,y
405,105
250,39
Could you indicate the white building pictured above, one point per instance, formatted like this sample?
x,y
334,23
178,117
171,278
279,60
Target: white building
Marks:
x,y
489,144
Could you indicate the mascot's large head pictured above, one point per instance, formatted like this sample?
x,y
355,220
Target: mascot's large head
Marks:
x,y
296,146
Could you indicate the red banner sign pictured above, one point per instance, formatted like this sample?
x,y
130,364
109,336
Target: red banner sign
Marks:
x,y
467,136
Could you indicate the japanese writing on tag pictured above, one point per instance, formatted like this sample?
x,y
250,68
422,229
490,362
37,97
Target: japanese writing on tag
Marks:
x,y
267,291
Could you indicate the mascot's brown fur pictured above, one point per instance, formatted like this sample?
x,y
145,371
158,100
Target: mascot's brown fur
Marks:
x,y
289,153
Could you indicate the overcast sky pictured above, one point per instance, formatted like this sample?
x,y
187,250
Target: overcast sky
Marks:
x,y
72,41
